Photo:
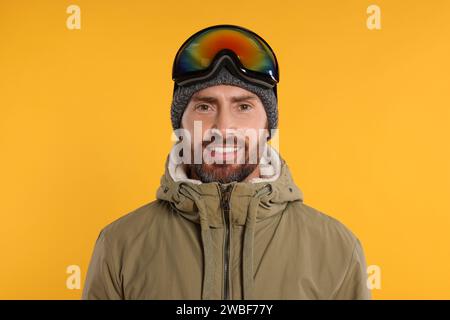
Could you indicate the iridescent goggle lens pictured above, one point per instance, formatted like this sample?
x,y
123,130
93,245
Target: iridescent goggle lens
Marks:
x,y
250,54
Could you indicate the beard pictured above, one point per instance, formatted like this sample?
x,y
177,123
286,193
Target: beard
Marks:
x,y
224,172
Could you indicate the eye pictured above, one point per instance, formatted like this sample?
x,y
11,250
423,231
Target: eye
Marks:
x,y
245,107
203,107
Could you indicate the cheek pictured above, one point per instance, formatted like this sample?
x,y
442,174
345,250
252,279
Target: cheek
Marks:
x,y
258,120
190,122
186,122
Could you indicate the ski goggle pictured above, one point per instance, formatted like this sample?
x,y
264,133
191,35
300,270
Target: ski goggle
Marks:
x,y
248,55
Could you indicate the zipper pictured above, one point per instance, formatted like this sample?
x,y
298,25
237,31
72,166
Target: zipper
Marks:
x,y
225,191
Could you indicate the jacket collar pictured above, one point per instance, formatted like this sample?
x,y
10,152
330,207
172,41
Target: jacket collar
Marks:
x,y
274,189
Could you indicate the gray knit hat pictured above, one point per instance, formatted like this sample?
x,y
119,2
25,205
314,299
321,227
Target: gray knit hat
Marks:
x,y
182,95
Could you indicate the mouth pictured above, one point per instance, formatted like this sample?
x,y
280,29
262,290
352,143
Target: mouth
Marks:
x,y
224,153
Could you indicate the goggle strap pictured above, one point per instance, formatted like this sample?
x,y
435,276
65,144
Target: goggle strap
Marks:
x,y
224,60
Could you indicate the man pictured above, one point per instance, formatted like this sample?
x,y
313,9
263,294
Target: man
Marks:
x,y
228,222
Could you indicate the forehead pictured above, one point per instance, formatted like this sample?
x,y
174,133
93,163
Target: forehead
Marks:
x,y
224,91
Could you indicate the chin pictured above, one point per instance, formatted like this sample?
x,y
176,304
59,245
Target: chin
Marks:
x,y
223,173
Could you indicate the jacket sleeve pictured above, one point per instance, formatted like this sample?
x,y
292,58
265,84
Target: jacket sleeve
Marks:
x,y
101,279
354,284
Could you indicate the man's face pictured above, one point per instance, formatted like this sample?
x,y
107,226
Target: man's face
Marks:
x,y
225,111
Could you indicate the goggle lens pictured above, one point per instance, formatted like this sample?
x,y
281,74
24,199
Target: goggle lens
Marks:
x,y
199,51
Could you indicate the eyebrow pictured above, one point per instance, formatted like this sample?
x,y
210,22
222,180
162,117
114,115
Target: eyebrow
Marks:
x,y
211,99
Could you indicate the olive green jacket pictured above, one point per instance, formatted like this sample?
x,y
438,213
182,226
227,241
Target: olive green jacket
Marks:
x,y
253,240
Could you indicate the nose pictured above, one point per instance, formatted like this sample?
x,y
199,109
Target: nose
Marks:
x,y
224,121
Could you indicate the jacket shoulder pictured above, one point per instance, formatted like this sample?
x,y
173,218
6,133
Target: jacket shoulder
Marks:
x,y
136,222
321,225
335,256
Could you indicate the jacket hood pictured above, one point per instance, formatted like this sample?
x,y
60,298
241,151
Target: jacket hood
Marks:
x,y
249,203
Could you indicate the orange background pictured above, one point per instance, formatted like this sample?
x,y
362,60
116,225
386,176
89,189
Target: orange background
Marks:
x,y
85,127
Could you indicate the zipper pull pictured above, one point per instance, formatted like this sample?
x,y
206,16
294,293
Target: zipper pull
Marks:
x,y
225,192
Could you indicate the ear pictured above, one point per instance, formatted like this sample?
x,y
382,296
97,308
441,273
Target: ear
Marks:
x,y
268,129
